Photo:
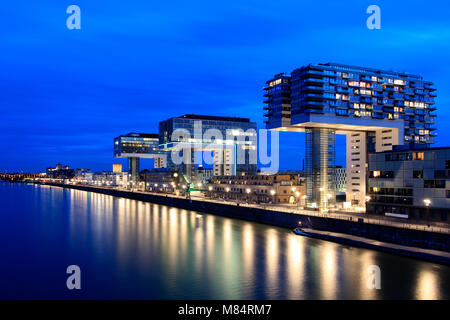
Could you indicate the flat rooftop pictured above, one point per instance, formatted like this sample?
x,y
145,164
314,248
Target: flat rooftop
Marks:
x,y
374,71
213,118
141,135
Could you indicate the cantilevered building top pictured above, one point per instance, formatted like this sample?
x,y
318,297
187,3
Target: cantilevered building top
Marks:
x,y
142,145
349,98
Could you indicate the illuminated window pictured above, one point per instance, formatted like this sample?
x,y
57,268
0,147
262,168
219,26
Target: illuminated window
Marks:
x,y
418,156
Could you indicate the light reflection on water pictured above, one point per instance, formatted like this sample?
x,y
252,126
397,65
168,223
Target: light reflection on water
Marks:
x,y
132,249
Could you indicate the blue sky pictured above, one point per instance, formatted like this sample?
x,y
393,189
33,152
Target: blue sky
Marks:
x,y
67,93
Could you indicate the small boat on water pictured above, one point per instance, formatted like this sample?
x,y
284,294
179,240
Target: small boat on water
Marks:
x,y
300,232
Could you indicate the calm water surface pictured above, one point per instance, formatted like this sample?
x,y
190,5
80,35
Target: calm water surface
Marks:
x,y
134,250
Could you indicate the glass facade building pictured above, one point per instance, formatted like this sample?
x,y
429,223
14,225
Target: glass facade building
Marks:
x,y
411,183
133,144
241,134
140,145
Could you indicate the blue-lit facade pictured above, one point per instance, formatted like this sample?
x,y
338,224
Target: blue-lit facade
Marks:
x,y
226,163
136,144
140,145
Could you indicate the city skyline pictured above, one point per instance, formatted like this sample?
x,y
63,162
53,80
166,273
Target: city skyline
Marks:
x,y
68,92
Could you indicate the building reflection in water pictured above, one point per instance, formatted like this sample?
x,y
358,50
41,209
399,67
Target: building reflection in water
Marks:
x,y
186,254
248,258
427,284
296,266
328,271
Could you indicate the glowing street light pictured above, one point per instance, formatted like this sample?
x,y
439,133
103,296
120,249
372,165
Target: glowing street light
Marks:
x,y
272,192
427,203
247,190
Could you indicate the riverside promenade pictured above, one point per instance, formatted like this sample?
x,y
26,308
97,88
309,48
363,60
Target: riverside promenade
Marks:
x,y
379,234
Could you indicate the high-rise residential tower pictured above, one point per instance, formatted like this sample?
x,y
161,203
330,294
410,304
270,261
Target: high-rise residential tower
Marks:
x,y
375,109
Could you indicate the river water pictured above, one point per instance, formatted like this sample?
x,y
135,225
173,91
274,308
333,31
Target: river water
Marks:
x,y
129,249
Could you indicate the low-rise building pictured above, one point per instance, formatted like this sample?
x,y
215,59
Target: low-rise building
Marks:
x,y
410,183
279,188
162,180
204,174
60,172
105,178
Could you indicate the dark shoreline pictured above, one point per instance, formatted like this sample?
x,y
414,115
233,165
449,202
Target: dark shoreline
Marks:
x,y
343,230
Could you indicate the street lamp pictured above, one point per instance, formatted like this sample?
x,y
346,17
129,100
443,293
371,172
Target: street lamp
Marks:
x,y
248,192
210,193
272,193
427,203
297,196
304,200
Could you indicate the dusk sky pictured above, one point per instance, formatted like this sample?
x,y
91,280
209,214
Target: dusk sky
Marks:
x,y
67,93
